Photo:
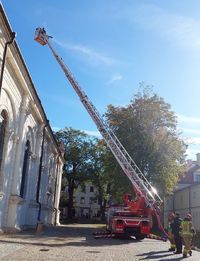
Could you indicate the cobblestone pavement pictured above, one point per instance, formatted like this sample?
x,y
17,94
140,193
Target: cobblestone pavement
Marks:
x,y
76,242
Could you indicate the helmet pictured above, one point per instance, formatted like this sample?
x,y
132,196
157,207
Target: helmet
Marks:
x,y
189,216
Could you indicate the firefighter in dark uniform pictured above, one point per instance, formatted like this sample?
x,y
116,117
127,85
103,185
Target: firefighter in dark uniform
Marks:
x,y
176,232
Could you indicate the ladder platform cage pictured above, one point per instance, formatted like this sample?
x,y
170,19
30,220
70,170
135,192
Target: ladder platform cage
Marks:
x,y
40,36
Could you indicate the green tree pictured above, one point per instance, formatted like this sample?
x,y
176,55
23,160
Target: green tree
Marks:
x,y
78,146
100,174
147,128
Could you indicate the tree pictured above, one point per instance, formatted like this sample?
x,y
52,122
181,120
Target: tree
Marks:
x,y
78,146
147,129
100,174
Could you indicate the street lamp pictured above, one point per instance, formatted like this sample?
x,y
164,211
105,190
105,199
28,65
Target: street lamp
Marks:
x,y
4,58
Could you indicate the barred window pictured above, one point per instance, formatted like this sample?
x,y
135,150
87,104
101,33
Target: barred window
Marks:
x,y
3,126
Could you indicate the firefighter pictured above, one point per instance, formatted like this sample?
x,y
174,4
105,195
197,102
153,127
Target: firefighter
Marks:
x,y
176,232
187,233
170,234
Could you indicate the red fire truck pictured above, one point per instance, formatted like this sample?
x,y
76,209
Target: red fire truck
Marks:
x,y
130,219
134,216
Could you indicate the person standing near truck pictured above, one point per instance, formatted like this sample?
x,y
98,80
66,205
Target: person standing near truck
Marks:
x,y
187,233
176,232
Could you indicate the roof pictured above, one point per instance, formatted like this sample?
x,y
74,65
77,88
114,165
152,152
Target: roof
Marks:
x,y
188,177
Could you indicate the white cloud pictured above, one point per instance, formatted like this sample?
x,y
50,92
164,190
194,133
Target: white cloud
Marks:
x,y
115,78
190,135
93,56
188,119
191,131
192,152
180,30
193,140
93,133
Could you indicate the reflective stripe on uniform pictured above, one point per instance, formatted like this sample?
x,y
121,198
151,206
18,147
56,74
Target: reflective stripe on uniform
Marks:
x,y
186,228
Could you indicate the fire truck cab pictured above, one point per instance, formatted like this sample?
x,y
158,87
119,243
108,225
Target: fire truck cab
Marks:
x,y
127,224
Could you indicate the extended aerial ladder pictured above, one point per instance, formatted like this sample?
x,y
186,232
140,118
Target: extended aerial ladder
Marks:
x,y
141,185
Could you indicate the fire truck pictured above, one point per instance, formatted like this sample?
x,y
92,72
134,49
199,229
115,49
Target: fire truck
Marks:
x,y
130,219
134,217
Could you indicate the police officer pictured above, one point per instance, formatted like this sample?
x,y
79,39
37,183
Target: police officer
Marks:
x,y
176,232
187,233
169,230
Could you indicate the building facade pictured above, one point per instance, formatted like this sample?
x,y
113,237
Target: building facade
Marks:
x,y
86,201
186,195
30,159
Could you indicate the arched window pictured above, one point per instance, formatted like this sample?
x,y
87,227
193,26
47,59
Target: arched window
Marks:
x,y
3,126
25,169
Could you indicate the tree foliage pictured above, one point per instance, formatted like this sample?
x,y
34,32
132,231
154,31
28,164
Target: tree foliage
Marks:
x,y
100,175
78,147
147,127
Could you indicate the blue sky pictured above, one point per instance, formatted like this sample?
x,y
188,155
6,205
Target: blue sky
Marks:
x,y
111,46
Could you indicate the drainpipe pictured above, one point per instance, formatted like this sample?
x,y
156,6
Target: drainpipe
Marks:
x,y
39,176
4,58
55,189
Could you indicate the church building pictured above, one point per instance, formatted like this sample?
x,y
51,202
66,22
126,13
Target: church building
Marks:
x,y
30,159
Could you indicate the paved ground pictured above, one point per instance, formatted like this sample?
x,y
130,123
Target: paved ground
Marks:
x,y
76,242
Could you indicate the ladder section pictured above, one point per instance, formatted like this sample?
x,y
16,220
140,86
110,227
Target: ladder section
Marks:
x,y
137,178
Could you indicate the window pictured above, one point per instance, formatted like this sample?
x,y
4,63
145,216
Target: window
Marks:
x,y
3,126
198,178
25,169
91,189
82,200
92,200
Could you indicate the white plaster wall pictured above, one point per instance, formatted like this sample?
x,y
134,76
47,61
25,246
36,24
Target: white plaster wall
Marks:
x,y
25,122
195,196
181,199
94,206
182,204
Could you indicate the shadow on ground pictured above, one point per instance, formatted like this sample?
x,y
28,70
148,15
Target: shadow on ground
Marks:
x,y
62,236
160,255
